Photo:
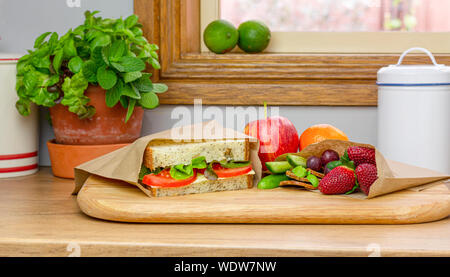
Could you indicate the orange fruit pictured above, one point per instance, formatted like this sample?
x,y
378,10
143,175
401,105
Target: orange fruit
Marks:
x,y
320,132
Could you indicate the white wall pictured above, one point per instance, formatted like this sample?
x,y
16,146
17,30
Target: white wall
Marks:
x,y
21,21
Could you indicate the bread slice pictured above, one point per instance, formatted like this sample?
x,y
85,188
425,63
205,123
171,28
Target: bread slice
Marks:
x,y
168,153
203,185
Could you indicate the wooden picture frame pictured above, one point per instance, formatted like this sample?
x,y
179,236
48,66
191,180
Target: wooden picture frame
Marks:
x,y
250,79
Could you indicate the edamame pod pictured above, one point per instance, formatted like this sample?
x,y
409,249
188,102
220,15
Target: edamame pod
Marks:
x,y
272,181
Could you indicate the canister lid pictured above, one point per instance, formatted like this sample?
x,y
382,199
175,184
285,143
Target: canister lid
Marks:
x,y
414,75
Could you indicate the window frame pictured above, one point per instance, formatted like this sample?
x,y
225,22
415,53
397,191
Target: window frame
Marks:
x,y
338,42
284,79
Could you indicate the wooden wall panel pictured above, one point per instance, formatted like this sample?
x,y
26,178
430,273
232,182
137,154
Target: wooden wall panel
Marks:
x,y
149,15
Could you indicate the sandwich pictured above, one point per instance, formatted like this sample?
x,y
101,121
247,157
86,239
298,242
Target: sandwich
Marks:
x,y
177,168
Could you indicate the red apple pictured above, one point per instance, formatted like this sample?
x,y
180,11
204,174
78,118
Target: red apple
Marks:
x,y
276,135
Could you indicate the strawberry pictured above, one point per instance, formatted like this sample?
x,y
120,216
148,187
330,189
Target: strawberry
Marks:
x,y
366,174
338,181
360,155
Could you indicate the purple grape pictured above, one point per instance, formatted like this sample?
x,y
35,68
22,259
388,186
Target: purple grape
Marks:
x,y
329,156
314,163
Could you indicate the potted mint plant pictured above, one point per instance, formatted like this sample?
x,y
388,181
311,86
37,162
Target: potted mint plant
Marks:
x,y
93,80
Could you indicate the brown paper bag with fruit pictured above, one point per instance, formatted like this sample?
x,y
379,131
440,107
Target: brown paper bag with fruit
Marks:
x,y
349,168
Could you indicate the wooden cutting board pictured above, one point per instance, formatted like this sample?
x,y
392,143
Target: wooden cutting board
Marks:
x,y
119,201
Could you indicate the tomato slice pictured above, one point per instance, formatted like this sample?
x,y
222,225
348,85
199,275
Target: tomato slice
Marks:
x,y
163,179
201,171
223,172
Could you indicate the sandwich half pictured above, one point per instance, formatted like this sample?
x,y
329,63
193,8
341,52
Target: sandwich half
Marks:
x,y
178,168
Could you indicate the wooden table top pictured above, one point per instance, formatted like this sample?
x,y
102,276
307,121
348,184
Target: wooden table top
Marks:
x,y
40,217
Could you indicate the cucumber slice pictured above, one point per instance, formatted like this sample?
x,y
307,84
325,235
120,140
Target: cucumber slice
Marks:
x,y
300,171
295,160
278,167
313,180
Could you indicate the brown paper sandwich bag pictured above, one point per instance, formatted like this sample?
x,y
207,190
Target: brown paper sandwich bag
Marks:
x,y
125,163
392,176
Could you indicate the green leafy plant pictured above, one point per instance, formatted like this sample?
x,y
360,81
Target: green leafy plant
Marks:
x,y
111,53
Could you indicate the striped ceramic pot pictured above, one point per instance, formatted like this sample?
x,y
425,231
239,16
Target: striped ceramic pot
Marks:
x,y
19,135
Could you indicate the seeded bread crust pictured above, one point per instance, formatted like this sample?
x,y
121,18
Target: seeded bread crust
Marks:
x,y
247,150
226,184
148,158
162,154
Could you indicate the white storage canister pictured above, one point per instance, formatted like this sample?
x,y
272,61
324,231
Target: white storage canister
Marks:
x,y
414,113
19,135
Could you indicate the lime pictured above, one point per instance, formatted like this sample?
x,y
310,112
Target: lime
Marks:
x,y
220,36
254,36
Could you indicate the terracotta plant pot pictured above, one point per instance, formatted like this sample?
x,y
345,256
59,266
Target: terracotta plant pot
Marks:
x,y
107,126
65,157
81,140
